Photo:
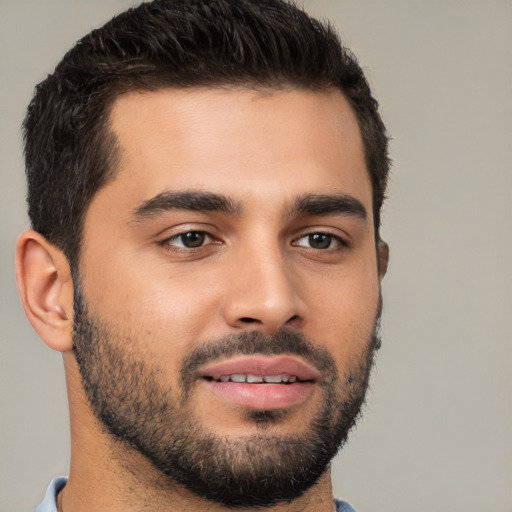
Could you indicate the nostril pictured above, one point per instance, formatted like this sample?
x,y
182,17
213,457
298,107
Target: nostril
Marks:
x,y
248,320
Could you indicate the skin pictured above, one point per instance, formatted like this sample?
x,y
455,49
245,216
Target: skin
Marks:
x,y
256,270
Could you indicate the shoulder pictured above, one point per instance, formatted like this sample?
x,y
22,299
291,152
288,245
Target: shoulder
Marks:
x,y
343,506
49,503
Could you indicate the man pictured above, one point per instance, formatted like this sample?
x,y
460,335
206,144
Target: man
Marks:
x,y
205,183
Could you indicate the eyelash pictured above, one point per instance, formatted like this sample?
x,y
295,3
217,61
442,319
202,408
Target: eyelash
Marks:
x,y
332,238
204,236
166,243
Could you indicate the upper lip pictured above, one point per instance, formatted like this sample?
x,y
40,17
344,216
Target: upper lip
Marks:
x,y
260,365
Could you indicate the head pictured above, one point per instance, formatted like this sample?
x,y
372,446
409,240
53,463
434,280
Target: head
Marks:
x,y
212,173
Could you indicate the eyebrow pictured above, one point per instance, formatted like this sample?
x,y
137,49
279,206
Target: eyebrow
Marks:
x,y
308,204
187,200
326,204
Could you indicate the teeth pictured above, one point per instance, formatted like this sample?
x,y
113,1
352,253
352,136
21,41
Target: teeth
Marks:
x,y
257,379
273,378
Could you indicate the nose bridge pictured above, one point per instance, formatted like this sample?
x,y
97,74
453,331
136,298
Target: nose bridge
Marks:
x,y
263,292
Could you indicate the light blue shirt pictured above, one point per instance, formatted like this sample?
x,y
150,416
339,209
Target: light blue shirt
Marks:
x,y
49,503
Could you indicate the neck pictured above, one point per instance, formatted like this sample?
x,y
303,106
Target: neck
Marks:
x,y
134,485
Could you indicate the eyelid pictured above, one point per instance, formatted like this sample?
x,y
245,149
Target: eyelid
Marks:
x,y
339,242
342,238
170,231
178,236
166,241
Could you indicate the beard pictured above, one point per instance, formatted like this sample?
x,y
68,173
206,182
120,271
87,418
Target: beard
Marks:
x,y
127,395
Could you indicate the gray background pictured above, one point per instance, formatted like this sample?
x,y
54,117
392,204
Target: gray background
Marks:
x,y
437,432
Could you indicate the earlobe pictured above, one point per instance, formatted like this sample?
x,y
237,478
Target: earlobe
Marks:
x,y
383,258
46,289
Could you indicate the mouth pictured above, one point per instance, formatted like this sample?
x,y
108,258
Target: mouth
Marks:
x,y
260,382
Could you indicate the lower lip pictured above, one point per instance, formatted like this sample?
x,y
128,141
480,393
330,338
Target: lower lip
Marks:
x,y
262,396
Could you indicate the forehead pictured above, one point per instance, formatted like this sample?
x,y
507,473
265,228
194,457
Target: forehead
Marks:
x,y
255,144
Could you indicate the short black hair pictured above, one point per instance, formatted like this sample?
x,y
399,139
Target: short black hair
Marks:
x,y
70,151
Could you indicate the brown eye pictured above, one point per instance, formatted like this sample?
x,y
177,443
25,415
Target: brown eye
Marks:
x,y
189,240
193,239
319,241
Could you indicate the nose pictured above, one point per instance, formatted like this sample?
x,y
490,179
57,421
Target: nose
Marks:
x,y
264,293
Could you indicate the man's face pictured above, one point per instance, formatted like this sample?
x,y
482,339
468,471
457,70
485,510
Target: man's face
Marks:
x,y
229,287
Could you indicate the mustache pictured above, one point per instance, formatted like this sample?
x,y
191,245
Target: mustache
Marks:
x,y
283,342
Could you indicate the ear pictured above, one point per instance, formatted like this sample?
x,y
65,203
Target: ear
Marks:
x,y
46,289
383,258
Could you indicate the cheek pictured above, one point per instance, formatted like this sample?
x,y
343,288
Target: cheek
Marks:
x,y
343,310
349,302
166,311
